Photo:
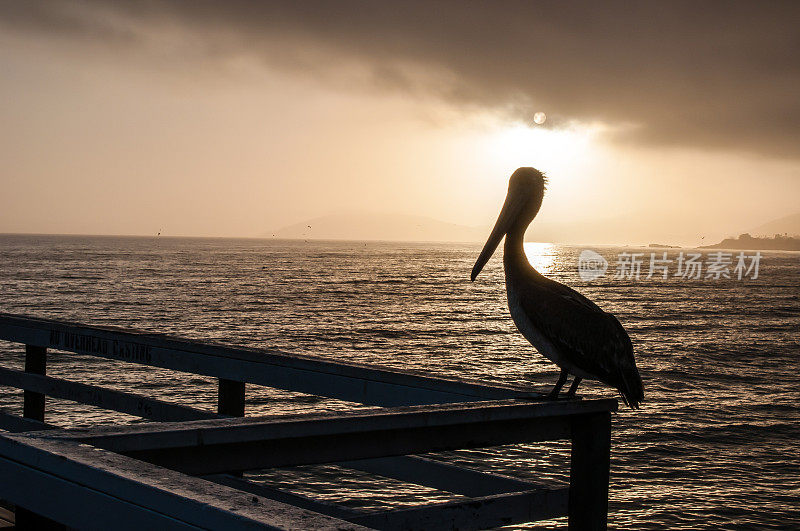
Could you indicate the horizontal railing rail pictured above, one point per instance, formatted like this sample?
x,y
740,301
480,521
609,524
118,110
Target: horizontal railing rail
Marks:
x,y
212,446
348,381
104,398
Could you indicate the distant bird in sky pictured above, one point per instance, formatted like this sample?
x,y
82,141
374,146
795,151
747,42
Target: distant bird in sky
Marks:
x,y
562,324
159,232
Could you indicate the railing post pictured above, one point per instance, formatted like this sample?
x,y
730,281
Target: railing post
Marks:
x,y
230,398
230,401
589,471
35,363
33,408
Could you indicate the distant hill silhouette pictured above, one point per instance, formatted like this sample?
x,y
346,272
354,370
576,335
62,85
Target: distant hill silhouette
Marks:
x,y
782,234
789,225
378,226
746,241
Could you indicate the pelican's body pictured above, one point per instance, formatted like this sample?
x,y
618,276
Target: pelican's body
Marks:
x,y
562,324
523,285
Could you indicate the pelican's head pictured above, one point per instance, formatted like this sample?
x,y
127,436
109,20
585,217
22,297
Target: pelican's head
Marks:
x,y
524,198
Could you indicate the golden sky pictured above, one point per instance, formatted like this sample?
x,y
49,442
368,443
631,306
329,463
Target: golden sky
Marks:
x,y
237,118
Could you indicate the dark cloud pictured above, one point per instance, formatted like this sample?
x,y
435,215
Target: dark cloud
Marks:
x,y
712,74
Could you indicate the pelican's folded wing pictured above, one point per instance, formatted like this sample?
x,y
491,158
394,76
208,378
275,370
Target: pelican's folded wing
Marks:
x,y
590,338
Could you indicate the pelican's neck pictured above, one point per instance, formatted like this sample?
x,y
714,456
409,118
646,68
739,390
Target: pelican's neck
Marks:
x,y
514,257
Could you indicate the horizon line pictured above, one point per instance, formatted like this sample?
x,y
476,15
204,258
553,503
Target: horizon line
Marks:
x,y
361,240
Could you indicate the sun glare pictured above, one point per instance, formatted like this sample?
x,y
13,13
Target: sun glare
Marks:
x,y
541,256
568,156
546,149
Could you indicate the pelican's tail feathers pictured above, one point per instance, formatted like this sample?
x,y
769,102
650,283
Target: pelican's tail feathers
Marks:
x,y
631,388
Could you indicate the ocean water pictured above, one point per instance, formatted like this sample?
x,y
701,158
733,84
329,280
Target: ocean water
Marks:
x,y
716,444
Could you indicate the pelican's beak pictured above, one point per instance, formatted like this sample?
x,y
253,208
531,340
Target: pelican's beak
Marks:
x,y
511,210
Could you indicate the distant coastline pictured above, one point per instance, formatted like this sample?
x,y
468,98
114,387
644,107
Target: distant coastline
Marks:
x,y
746,241
743,241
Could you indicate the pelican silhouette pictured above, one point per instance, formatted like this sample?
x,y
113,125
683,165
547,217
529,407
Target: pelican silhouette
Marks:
x,y
562,324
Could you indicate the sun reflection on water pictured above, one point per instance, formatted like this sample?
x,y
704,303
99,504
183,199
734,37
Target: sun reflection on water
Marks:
x,y
541,256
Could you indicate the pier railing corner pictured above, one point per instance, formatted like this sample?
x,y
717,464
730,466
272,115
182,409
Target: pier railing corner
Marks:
x,y
183,469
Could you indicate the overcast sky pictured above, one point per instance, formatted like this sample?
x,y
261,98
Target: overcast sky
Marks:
x,y
234,118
